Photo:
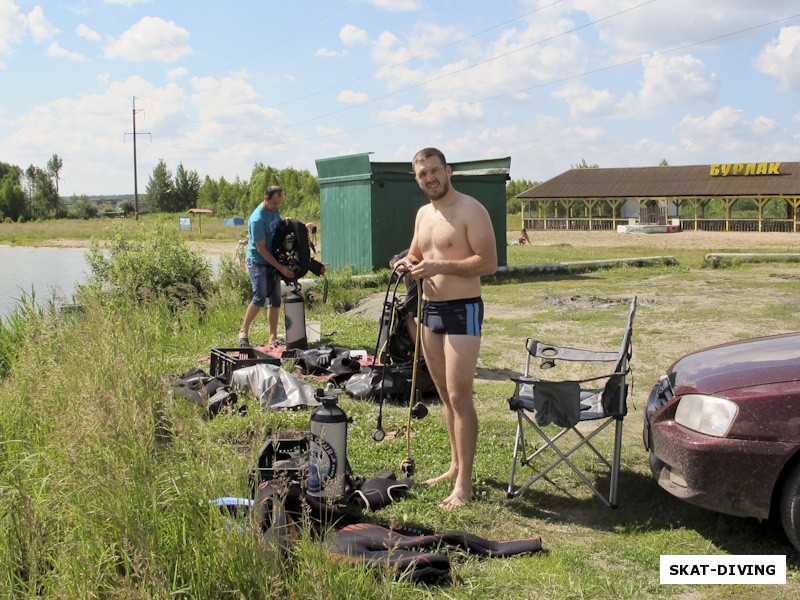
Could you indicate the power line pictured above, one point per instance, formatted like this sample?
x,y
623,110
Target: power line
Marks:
x,y
449,74
542,85
372,73
428,113
419,56
285,39
135,170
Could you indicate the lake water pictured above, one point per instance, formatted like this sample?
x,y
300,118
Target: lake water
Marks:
x,y
46,271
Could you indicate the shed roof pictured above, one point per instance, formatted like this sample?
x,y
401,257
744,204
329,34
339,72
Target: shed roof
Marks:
x,y
740,179
359,166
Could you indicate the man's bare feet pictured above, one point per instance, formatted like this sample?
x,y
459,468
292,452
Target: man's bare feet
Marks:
x,y
451,474
455,500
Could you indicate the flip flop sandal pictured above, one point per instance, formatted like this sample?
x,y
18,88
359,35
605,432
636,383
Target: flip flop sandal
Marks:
x,y
244,342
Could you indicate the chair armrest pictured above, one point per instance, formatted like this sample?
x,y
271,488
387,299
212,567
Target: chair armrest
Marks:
x,y
551,352
524,379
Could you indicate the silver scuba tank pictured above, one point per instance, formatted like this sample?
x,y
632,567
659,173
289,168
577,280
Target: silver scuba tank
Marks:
x,y
294,313
327,461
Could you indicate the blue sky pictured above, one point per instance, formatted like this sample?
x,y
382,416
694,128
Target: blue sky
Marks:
x,y
221,86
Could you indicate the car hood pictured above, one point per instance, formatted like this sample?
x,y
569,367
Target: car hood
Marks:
x,y
746,363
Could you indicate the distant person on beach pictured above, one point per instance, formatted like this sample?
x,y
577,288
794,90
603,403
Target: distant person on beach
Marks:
x,y
312,236
241,251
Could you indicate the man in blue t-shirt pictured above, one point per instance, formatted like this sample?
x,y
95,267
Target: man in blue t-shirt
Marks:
x,y
261,265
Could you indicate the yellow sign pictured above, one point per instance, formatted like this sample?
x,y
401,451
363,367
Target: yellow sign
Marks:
x,y
763,168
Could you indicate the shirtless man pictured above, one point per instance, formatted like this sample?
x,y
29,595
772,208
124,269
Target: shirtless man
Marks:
x,y
453,246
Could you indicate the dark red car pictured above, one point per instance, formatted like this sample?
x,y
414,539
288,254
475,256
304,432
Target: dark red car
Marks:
x,y
723,429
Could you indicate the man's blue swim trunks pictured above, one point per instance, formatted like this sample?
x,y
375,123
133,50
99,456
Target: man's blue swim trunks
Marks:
x,y
455,317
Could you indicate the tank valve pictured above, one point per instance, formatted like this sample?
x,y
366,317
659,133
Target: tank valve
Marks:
x,y
407,466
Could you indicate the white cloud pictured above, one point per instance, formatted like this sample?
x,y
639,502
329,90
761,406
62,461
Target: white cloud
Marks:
x,y
397,5
87,32
56,51
727,128
670,81
229,110
450,65
127,3
781,59
584,101
12,27
40,28
152,38
326,53
90,133
177,73
329,131
351,97
662,25
437,114
350,35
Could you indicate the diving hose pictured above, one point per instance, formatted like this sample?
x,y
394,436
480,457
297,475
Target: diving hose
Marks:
x,y
382,350
408,465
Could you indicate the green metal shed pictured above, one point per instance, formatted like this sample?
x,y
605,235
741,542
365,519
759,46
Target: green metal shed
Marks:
x,y
367,209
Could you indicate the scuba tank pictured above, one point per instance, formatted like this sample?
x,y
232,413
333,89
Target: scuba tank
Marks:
x,y
294,313
327,461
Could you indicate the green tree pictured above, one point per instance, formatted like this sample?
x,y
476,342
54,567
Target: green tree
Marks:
x,y
239,198
233,196
54,166
187,189
300,191
208,195
9,170
663,163
584,165
12,198
84,208
126,206
513,189
160,188
43,197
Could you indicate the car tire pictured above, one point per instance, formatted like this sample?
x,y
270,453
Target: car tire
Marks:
x,y
790,507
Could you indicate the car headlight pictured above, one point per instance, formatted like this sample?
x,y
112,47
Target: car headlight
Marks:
x,y
708,415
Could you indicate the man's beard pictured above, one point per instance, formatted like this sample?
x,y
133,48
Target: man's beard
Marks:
x,y
441,193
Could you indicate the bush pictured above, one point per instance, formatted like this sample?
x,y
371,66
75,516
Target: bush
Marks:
x,y
144,266
233,279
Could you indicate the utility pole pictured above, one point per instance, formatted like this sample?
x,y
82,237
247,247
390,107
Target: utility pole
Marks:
x,y
135,174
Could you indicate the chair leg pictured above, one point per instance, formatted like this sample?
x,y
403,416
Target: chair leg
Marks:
x,y
612,492
563,457
519,441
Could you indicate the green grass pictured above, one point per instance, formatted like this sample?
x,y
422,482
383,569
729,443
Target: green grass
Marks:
x,y
39,233
104,476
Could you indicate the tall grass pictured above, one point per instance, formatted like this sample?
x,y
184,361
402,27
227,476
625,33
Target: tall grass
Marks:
x,y
105,477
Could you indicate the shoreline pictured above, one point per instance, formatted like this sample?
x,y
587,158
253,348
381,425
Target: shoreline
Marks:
x,y
718,241
209,248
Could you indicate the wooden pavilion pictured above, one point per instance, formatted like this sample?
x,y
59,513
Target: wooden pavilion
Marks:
x,y
718,197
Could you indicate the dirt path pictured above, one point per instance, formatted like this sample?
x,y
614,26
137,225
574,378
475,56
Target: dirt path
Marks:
x,y
718,241
729,241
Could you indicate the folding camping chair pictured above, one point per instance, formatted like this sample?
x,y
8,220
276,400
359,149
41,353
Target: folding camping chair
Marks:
x,y
590,404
